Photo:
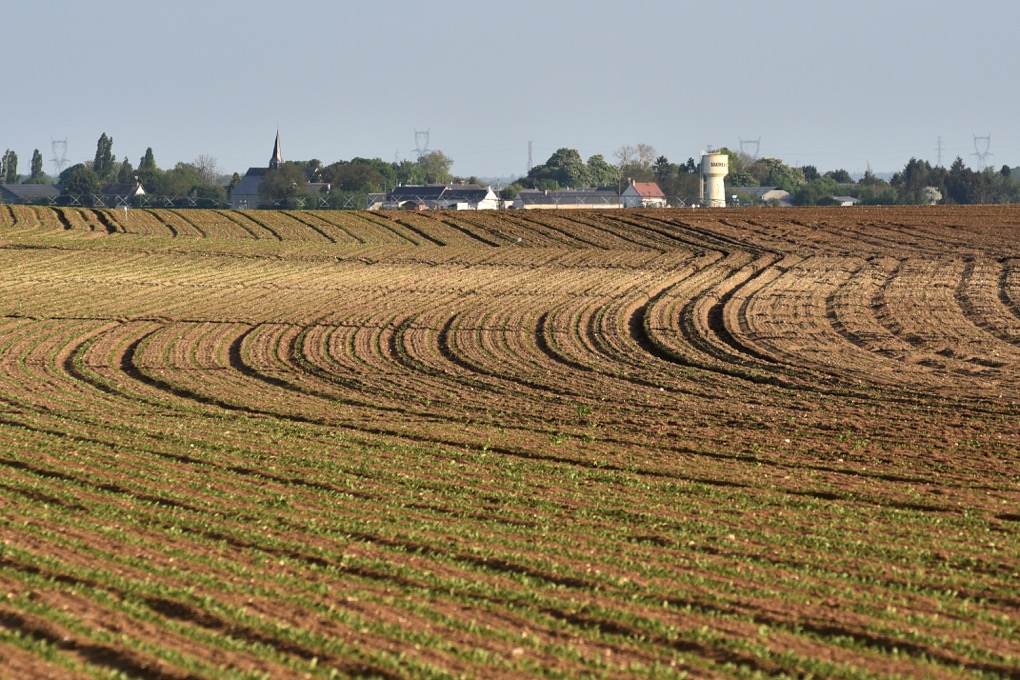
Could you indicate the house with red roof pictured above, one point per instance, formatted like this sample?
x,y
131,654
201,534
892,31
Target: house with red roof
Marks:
x,y
643,195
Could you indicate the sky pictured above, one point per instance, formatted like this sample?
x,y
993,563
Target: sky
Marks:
x,y
868,84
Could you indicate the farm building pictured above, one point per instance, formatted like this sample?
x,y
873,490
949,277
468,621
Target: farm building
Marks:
x,y
643,195
567,199
118,195
436,197
28,193
764,194
246,194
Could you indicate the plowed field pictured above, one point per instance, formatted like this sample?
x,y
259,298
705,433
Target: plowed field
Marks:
x,y
620,444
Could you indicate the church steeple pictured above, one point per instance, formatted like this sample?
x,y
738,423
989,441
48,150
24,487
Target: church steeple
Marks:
x,y
277,158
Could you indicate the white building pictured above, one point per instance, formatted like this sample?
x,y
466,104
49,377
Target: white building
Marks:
x,y
120,195
643,195
437,197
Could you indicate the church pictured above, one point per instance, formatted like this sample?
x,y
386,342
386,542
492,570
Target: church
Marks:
x,y
245,195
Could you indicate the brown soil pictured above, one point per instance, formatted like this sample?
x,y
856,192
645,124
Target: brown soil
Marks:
x,y
630,443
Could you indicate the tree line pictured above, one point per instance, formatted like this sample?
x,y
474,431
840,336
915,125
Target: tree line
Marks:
x,y
918,183
292,184
565,169
9,169
199,179
296,182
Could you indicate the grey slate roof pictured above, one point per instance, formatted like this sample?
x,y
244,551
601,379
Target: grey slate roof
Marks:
x,y
424,192
592,197
247,189
27,193
756,191
123,189
251,181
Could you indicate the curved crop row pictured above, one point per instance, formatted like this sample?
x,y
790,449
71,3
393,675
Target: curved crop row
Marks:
x,y
617,443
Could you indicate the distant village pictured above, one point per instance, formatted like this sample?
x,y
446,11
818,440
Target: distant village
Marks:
x,y
447,196
756,182
247,192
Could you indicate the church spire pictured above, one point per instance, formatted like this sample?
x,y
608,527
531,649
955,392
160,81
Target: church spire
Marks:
x,y
277,158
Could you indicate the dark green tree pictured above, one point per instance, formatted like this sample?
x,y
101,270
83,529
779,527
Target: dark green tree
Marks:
x,y
509,192
958,183
126,173
818,191
872,190
565,168
385,169
360,175
840,176
286,182
185,180
772,172
601,173
79,180
38,175
187,185
409,173
663,169
375,171
9,167
680,185
148,173
148,162
104,163
915,184
1006,185
312,168
914,176
209,195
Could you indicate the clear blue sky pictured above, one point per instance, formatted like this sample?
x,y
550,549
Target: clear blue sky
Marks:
x,y
835,85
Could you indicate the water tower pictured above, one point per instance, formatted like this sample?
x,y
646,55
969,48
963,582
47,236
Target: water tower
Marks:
x,y
714,166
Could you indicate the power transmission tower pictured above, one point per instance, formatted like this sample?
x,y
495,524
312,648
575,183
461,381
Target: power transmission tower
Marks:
x,y
748,143
981,145
938,149
59,159
530,166
421,142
